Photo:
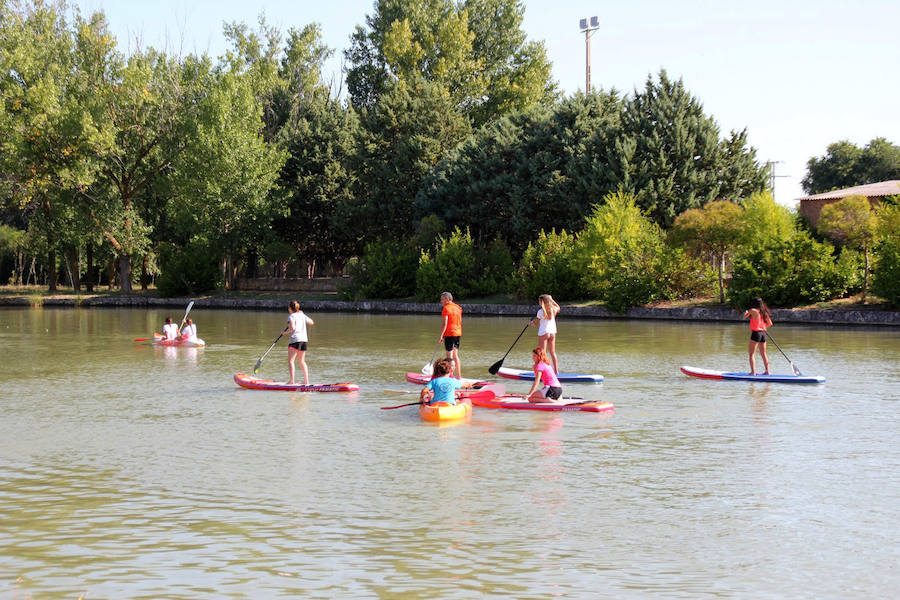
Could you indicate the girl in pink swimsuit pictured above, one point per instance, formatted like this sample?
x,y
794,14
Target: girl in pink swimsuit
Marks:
x,y
760,320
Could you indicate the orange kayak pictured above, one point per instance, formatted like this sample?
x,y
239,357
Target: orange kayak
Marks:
x,y
446,412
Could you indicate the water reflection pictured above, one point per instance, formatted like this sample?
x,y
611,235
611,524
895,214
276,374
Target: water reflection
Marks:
x,y
135,472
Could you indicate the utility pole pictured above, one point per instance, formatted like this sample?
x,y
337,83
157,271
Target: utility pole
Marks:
x,y
588,27
770,165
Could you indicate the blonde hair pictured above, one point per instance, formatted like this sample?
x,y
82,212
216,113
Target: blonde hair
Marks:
x,y
551,308
293,306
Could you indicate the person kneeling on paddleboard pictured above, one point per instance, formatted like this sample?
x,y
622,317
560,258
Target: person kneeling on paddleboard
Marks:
x,y
543,373
442,388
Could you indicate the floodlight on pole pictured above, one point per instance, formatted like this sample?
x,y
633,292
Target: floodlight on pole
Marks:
x,y
588,26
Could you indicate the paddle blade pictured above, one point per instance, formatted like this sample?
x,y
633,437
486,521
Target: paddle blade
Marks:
x,y
495,367
258,365
142,339
428,370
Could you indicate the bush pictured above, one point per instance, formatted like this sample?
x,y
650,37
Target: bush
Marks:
x,y
548,267
886,282
791,272
619,254
494,268
189,270
387,269
453,268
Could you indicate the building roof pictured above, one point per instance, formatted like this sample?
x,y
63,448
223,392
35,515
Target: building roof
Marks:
x,y
882,188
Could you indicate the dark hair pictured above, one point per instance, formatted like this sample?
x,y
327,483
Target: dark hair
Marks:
x,y
759,305
443,367
294,305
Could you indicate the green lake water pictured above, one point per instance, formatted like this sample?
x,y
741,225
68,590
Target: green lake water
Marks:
x,y
132,471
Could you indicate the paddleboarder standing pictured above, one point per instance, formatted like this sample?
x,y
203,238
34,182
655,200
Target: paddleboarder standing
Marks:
x,y
297,322
760,320
546,321
451,329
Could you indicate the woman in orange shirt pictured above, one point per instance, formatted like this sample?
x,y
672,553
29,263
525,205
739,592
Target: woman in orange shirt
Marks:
x,y
760,320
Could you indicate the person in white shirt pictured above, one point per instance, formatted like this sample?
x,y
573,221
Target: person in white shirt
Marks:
x,y
170,329
189,331
297,322
546,317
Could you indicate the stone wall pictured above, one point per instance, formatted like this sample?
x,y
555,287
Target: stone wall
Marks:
x,y
815,316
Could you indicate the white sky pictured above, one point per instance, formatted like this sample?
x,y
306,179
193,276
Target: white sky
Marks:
x,y
797,74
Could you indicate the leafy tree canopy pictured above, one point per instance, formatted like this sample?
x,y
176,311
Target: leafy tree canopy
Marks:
x,y
846,165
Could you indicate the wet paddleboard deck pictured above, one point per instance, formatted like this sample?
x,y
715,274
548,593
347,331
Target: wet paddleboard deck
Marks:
x,y
711,374
563,377
518,402
255,383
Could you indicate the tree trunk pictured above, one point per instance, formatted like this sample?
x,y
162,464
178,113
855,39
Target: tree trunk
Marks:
x,y
89,273
74,268
721,264
145,278
111,274
51,271
866,275
125,272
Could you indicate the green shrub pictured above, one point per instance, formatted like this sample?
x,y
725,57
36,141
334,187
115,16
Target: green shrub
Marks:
x,y
188,270
452,268
494,269
886,280
790,272
548,267
387,269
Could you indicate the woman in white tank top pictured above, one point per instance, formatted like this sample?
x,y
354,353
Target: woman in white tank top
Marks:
x,y
546,322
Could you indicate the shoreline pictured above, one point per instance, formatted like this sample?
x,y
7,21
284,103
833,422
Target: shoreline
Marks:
x,y
696,313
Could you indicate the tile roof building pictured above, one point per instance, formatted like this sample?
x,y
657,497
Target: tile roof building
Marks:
x,y
811,206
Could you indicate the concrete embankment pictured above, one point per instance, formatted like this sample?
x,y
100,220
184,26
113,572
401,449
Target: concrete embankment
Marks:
x,y
811,316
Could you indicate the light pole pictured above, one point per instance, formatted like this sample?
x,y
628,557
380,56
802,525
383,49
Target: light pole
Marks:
x,y
588,26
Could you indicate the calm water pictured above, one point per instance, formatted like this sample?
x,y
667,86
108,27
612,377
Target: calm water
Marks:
x,y
128,471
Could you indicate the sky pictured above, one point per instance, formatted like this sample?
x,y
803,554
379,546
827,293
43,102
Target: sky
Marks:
x,y
797,74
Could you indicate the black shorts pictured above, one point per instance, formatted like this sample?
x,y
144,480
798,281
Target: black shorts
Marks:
x,y
298,346
758,336
552,392
451,342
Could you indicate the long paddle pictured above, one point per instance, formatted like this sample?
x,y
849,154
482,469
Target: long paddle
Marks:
x,y
496,366
793,368
400,405
189,307
183,319
259,362
428,369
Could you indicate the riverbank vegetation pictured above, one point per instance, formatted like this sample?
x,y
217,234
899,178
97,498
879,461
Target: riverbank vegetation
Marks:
x,y
450,162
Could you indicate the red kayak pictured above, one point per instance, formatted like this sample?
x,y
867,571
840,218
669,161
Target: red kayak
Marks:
x,y
159,340
255,383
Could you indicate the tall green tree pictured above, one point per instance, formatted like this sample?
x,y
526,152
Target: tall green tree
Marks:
x,y
406,134
675,159
847,165
475,49
851,223
318,183
51,75
532,170
222,183
710,232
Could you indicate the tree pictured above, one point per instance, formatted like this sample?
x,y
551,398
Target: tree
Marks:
x,y
51,74
886,281
713,230
405,135
846,165
531,170
851,222
674,160
222,184
318,184
765,221
476,50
